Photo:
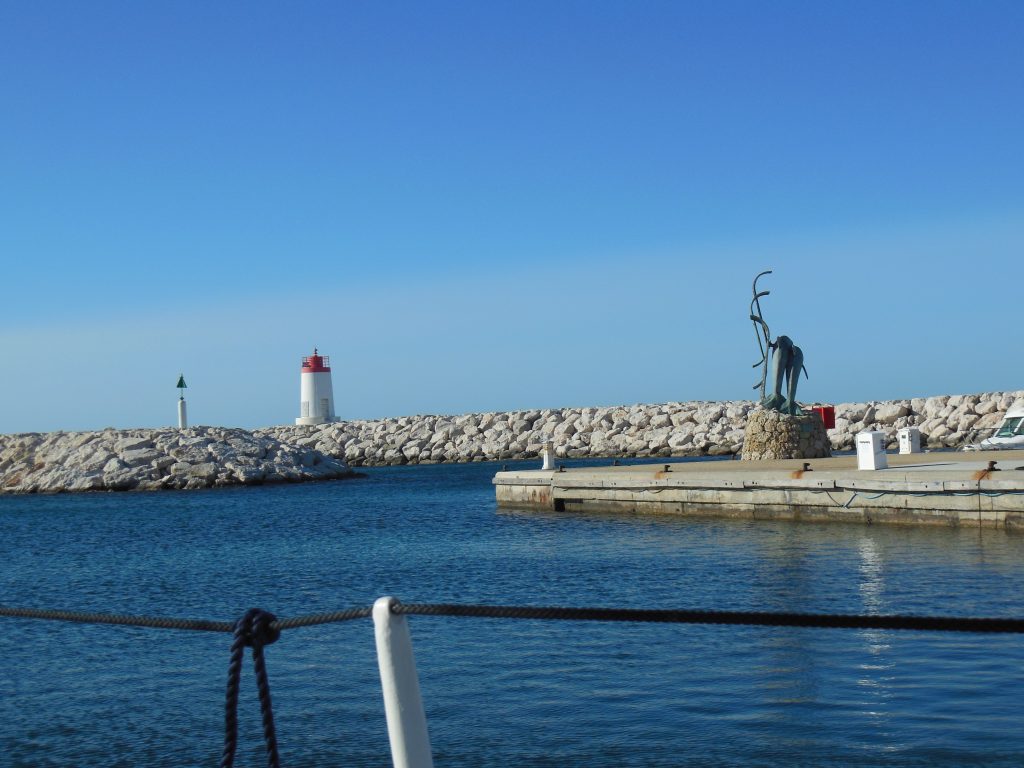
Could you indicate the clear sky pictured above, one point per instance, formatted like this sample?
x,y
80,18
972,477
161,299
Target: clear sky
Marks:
x,y
501,205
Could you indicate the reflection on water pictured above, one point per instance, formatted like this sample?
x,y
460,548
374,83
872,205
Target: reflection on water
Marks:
x,y
877,670
871,583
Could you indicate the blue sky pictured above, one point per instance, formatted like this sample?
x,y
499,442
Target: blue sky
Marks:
x,y
490,206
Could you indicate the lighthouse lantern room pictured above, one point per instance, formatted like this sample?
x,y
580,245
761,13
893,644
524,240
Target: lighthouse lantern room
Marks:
x,y
316,394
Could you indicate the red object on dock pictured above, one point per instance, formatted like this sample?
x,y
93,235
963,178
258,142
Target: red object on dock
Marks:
x,y
828,415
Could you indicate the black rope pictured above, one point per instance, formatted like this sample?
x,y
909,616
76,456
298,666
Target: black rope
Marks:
x,y
323,618
752,618
255,629
156,622
748,618
151,622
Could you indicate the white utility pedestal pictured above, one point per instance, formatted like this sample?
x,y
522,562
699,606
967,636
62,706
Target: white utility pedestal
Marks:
x,y
871,450
910,440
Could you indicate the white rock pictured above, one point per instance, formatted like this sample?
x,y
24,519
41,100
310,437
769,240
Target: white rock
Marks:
x,y
887,413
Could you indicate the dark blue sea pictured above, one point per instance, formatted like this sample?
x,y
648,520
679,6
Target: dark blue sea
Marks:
x,y
499,692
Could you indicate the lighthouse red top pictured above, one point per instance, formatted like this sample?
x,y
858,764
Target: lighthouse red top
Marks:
x,y
316,363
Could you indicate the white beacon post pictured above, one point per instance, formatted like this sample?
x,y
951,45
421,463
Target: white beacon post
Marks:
x,y
182,408
316,394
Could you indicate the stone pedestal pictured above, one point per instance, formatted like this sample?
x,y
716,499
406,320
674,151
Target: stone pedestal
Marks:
x,y
774,435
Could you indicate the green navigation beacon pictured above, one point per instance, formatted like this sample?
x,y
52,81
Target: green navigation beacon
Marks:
x,y
182,409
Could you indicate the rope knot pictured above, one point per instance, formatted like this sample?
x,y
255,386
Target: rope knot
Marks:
x,y
255,628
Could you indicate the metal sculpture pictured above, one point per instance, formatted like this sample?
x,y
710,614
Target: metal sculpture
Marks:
x,y
786,363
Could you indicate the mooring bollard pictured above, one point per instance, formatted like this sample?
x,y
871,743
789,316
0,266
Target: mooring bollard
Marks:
x,y
403,705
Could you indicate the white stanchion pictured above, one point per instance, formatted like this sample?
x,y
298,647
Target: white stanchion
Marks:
x,y
403,705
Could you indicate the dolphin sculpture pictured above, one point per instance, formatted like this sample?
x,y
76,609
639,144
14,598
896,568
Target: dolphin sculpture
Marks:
x,y
787,360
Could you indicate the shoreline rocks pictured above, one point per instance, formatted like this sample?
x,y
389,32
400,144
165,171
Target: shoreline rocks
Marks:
x,y
204,457
154,459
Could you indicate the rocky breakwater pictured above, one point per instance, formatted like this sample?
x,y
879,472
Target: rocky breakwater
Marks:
x,y
671,429
151,459
697,428
945,421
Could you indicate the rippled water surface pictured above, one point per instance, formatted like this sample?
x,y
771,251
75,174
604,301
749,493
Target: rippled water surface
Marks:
x,y
499,693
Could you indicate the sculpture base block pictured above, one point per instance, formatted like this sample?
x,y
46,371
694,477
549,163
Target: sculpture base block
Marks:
x,y
774,435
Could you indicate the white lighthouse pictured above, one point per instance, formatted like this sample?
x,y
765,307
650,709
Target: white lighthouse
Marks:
x,y
316,394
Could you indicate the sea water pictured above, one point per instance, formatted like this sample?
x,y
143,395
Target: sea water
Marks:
x,y
498,692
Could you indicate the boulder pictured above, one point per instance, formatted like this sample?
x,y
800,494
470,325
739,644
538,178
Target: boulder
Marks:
x,y
888,413
136,456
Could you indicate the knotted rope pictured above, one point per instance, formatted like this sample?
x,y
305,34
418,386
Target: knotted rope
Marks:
x,y
255,630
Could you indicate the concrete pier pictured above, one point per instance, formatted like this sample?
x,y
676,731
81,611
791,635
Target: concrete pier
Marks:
x,y
943,488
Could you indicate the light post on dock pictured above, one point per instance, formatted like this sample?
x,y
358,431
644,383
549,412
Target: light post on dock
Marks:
x,y
548,454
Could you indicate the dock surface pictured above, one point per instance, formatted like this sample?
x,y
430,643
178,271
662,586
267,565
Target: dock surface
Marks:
x,y
943,488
